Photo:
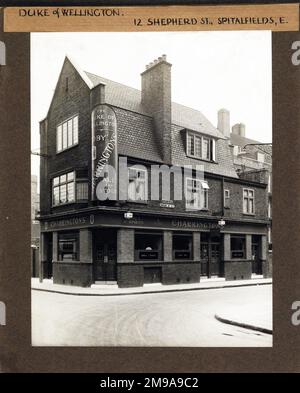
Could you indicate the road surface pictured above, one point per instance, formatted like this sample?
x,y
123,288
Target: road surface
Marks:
x,y
161,319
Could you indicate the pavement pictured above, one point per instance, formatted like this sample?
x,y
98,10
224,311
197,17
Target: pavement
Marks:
x,y
251,317
173,319
114,290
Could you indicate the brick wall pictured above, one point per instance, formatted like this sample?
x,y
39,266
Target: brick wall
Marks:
x,y
76,273
240,270
132,275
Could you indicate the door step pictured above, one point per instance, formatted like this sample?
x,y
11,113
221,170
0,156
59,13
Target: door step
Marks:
x,y
103,283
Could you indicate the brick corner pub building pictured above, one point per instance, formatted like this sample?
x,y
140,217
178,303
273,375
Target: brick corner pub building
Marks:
x,y
138,240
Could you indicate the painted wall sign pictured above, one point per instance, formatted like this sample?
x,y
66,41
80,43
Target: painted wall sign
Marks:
x,y
193,224
117,220
104,153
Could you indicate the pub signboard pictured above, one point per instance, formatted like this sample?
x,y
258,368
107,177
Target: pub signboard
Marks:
x,y
104,153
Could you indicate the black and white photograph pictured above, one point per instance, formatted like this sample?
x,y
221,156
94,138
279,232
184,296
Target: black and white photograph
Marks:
x,y
151,189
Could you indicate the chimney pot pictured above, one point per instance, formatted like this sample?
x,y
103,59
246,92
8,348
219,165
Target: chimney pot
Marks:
x,y
239,129
224,122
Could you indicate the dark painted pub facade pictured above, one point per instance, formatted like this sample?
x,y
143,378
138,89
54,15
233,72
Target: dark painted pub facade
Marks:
x,y
220,231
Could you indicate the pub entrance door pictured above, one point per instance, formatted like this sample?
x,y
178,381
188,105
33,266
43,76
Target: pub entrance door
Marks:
x,y
49,257
256,261
210,254
105,255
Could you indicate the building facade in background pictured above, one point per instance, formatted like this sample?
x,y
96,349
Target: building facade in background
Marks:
x,y
253,160
219,229
35,207
35,226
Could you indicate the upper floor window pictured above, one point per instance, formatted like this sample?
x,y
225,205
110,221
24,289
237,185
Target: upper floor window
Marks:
x,y
69,187
137,184
63,188
67,134
201,147
260,157
196,194
248,201
226,199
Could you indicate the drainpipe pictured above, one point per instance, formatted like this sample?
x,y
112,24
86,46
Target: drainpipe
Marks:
x,y
222,196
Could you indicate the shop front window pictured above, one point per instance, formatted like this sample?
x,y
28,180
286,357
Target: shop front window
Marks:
x,y
68,246
238,247
182,246
148,246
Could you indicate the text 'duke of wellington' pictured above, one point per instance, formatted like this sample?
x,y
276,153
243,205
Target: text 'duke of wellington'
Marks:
x,y
104,153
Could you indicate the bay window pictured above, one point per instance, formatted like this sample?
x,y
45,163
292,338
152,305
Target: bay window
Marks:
x,y
63,188
70,187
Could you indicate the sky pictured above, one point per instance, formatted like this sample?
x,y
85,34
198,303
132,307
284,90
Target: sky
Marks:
x,y
210,70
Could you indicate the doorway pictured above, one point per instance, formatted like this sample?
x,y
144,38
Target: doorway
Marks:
x,y
256,261
210,255
105,255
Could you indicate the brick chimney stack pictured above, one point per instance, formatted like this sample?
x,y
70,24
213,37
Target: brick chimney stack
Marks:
x,y
239,129
156,97
224,122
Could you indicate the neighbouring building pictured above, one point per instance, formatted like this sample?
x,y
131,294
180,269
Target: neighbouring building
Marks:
x,y
35,226
219,229
253,160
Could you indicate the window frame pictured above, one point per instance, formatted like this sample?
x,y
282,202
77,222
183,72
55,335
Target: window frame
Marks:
x,y
159,251
226,199
190,250
63,183
145,171
211,145
77,179
248,199
243,250
64,237
61,125
201,190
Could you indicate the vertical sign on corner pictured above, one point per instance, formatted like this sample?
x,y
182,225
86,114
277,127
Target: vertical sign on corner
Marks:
x,y
104,153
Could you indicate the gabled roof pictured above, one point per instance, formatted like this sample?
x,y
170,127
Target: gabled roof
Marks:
x,y
128,98
136,127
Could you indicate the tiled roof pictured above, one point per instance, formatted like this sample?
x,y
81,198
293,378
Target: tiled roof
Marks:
x,y
135,134
241,141
129,98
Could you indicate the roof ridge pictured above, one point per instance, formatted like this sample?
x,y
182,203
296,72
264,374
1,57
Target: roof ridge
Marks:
x,y
110,80
138,90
